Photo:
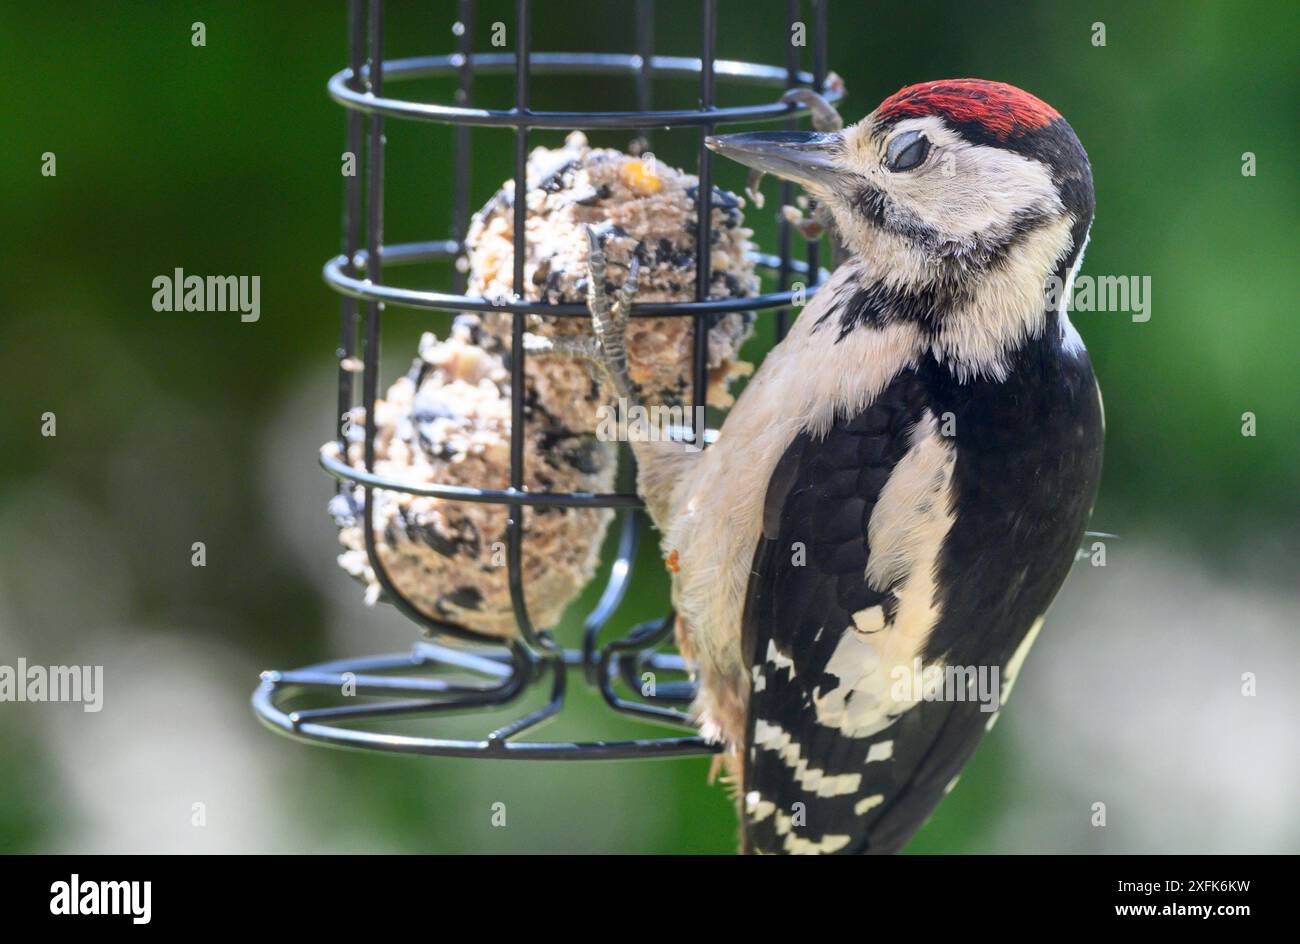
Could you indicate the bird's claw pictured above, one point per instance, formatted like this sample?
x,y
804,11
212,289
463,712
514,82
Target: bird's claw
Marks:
x,y
609,317
607,351
575,346
626,293
810,227
823,113
824,118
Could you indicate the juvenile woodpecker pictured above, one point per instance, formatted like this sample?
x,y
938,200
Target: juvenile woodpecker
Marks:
x,y
899,492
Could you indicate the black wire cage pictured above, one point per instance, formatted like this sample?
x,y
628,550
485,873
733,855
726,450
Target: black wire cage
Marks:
x,y
457,668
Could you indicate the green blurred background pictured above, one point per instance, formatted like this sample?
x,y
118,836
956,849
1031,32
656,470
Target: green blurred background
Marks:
x,y
176,428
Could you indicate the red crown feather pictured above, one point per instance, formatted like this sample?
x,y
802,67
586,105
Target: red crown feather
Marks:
x,y
1002,109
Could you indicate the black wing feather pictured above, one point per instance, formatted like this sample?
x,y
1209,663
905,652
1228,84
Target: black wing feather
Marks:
x,y
809,580
1027,465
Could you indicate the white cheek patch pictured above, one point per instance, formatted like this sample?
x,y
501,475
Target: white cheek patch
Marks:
x,y
965,190
1004,308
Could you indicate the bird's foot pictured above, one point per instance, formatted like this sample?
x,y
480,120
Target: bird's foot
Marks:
x,y
609,316
813,226
823,113
574,346
824,118
809,226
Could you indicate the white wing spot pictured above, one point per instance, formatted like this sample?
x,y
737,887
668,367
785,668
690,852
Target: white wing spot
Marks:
x,y
870,620
757,808
777,659
868,803
1017,660
881,750
772,737
797,845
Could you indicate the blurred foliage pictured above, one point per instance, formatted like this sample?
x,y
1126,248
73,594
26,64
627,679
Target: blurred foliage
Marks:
x,y
225,159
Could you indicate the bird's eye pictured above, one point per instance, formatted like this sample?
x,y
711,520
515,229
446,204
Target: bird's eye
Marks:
x,y
907,151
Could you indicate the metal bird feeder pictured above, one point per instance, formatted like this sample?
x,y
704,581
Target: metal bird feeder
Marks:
x,y
478,671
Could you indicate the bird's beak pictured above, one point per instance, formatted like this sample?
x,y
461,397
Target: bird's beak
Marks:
x,y
810,158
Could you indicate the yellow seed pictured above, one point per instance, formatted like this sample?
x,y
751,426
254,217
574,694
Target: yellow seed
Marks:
x,y
640,176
